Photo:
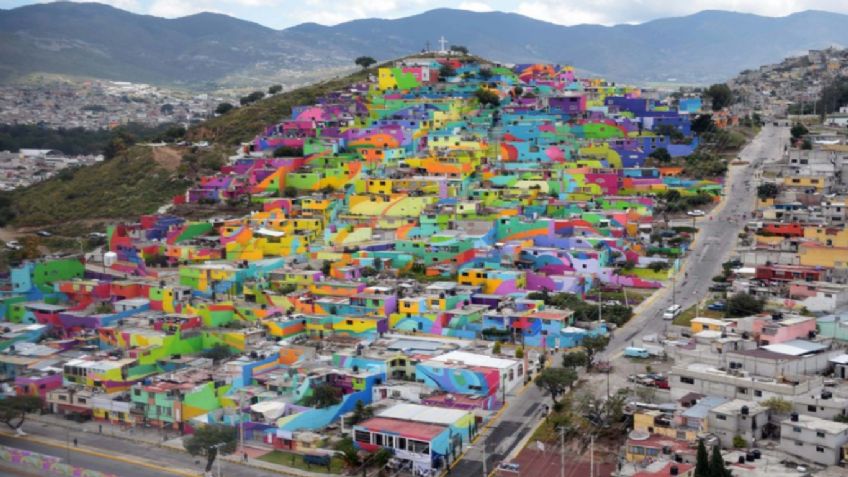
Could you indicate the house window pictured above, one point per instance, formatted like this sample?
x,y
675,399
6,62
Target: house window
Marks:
x,y
362,436
799,443
811,408
721,417
742,390
687,380
758,393
796,429
378,439
819,434
820,449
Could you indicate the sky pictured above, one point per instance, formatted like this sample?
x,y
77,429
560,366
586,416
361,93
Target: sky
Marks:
x,y
284,13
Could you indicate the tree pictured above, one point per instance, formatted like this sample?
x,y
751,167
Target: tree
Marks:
x,y
739,442
361,412
519,353
767,190
224,108
167,109
446,71
798,131
743,304
251,98
288,151
323,395
593,344
777,405
496,348
806,144
555,381
661,155
721,95
487,97
364,61
703,123
13,410
574,359
209,441
459,49
717,468
274,89
702,460
217,353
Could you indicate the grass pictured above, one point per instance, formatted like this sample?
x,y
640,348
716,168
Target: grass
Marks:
x,y
294,460
125,187
685,318
244,123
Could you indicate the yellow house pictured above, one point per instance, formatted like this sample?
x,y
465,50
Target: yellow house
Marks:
x,y
701,323
816,255
827,236
656,422
806,182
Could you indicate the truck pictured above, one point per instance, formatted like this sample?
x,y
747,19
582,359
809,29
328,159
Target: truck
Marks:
x,y
634,352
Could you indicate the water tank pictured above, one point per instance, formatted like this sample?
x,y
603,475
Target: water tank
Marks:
x,y
744,410
109,258
794,417
674,470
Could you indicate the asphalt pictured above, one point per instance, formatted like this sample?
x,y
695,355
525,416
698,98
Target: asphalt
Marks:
x,y
718,232
124,458
715,243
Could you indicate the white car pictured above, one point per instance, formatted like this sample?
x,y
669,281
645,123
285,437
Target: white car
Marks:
x,y
695,213
13,245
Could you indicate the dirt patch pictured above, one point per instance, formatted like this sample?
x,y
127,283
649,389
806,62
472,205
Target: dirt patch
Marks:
x,y
167,157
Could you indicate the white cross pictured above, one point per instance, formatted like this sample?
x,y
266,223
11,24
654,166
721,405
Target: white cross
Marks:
x,y
443,42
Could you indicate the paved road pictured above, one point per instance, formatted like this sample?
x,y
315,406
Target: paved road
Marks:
x,y
717,238
120,447
523,412
83,460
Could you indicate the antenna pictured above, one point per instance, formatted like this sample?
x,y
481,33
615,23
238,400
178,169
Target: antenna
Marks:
x,y
443,44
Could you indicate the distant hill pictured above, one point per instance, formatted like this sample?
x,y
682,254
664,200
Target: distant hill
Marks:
x,y
101,41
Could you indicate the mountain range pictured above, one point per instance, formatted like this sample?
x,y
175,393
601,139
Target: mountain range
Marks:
x,y
95,40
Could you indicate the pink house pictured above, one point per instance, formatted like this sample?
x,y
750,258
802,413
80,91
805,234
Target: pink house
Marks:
x,y
771,331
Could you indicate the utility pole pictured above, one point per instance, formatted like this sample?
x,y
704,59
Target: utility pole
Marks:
x,y
591,455
562,451
483,448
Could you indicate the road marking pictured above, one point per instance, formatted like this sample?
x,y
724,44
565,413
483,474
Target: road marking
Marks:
x,y
119,458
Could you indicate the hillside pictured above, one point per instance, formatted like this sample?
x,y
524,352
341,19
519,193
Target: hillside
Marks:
x,y
143,179
124,187
101,41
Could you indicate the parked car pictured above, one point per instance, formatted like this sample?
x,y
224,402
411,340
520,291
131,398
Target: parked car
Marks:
x,y
634,352
696,213
672,312
717,306
662,383
13,245
719,287
43,233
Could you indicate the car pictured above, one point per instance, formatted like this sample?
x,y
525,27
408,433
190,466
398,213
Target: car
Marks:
x,y
13,245
43,233
662,383
717,306
672,312
719,287
696,213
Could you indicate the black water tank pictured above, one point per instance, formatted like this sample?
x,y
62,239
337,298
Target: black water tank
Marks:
x,y
794,417
673,470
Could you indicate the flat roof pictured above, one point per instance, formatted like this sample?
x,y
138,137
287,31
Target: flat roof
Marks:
x,y
425,414
817,424
415,430
478,360
796,347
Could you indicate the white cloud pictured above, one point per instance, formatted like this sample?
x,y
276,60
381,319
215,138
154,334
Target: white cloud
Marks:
x,y
609,12
475,6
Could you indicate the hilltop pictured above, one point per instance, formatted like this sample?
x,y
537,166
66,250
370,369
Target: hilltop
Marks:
x,y
211,49
142,179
